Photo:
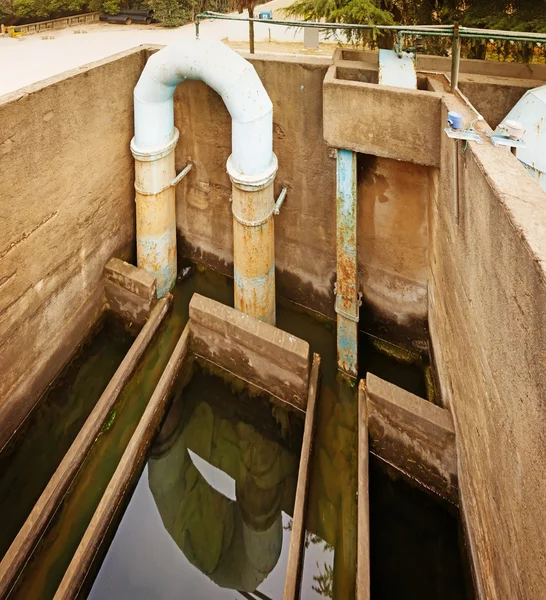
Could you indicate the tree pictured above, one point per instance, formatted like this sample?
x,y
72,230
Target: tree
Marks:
x,y
170,13
517,15
248,5
343,11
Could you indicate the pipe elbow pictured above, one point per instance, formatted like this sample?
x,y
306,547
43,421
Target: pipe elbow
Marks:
x,y
232,77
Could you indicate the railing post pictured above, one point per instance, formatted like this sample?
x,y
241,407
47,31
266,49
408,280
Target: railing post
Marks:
x,y
455,57
347,297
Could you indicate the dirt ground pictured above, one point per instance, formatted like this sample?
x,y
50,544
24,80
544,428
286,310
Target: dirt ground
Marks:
x,y
29,59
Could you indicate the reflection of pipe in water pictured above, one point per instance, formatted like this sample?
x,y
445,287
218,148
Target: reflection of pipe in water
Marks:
x,y
219,486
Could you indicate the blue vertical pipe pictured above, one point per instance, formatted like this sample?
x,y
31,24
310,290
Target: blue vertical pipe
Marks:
x,y
347,302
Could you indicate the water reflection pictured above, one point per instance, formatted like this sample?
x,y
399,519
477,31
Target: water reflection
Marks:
x,y
222,474
220,487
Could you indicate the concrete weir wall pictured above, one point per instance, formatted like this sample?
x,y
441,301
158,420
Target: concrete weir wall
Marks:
x,y
67,206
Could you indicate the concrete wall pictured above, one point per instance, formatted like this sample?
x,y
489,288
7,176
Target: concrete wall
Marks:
x,y
494,97
381,120
67,205
305,228
489,68
393,238
393,197
487,294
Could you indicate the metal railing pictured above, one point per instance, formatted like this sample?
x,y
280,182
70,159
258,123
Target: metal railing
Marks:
x,y
455,32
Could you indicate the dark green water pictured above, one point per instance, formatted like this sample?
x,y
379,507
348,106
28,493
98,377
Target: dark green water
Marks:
x,y
330,557
212,511
30,459
49,561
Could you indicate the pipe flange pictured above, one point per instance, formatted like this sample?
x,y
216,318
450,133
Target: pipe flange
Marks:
x,y
156,153
252,183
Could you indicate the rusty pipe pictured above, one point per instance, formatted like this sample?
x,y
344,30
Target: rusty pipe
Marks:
x,y
252,166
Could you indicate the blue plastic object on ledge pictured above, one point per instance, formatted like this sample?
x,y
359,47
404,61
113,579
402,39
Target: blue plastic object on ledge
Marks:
x,y
454,120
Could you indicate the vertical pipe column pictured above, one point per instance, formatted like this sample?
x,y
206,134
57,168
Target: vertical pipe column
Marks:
x,y
254,248
156,214
347,301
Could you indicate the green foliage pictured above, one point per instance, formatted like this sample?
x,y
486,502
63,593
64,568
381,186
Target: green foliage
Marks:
x,y
344,11
46,8
513,15
111,7
171,13
340,11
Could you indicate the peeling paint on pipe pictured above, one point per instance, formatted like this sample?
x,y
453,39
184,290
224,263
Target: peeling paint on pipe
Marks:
x,y
347,301
252,166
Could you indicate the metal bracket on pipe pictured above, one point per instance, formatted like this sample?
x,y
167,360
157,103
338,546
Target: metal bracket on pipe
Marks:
x,y
182,174
274,211
173,183
463,134
355,317
503,140
280,200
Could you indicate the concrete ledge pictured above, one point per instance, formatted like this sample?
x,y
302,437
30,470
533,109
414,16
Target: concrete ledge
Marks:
x,y
33,528
130,291
130,464
426,62
381,120
257,352
292,582
413,435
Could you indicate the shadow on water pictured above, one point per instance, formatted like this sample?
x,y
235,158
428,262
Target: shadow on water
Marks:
x,y
181,525
415,550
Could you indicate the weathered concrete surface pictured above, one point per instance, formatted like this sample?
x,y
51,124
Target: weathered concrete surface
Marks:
x,y
393,238
68,206
425,62
305,229
128,467
382,120
254,351
413,435
487,294
44,509
131,292
292,580
494,97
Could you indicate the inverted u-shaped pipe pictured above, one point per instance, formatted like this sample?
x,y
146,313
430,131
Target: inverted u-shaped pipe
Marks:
x,y
252,166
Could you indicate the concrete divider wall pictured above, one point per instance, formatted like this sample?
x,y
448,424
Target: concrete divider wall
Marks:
x,y
67,206
381,120
487,316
